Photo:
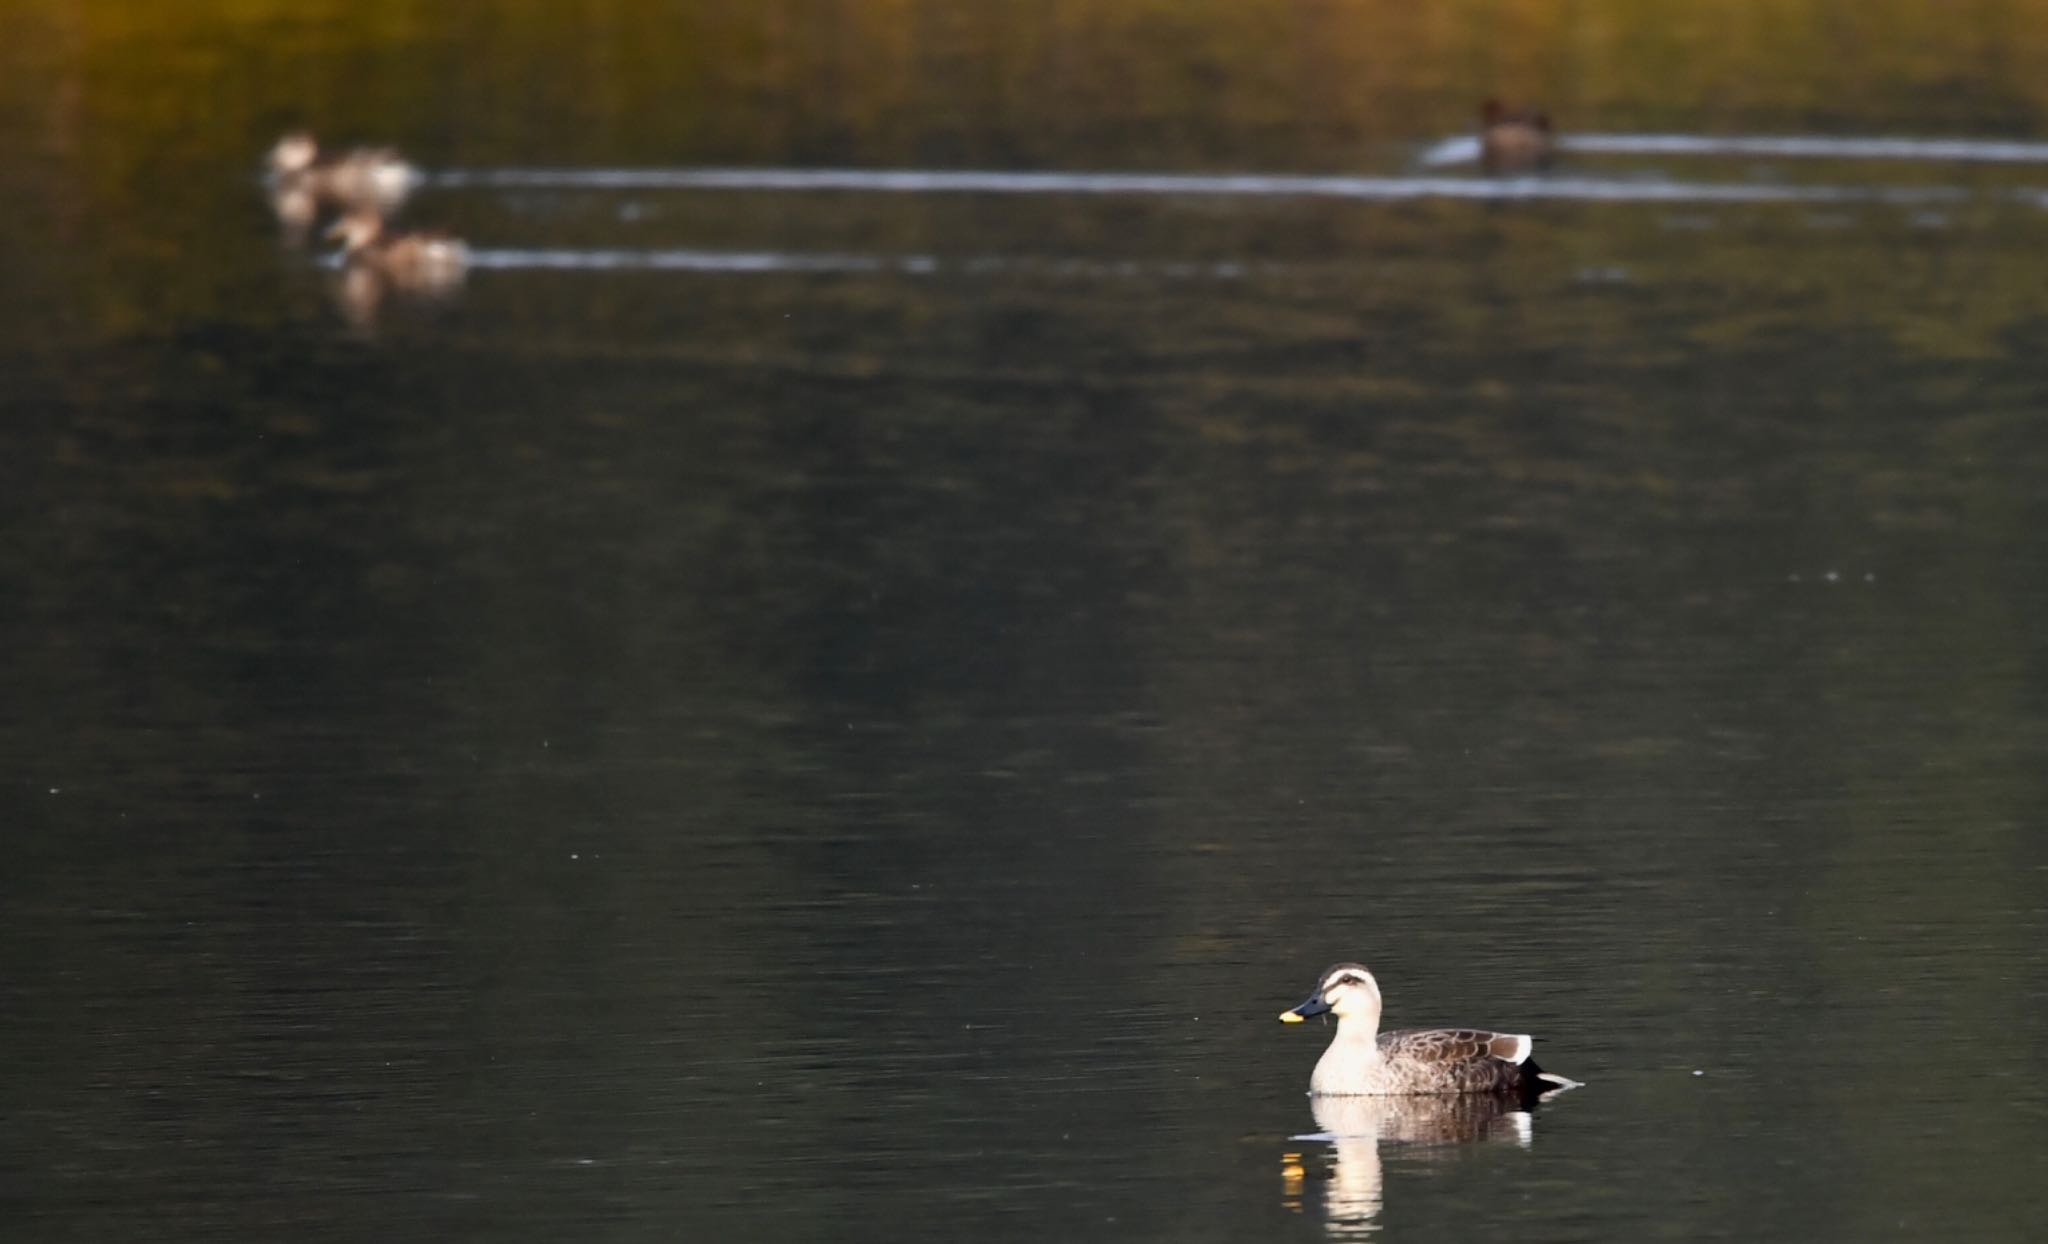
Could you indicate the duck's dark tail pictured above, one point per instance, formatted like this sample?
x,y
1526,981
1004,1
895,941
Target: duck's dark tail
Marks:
x,y
1536,1082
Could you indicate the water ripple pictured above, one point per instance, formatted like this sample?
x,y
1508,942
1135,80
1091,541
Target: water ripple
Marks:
x,y
1254,185
1464,149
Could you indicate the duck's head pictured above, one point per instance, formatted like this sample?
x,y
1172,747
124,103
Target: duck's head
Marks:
x,y
357,230
294,153
1345,989
1493,113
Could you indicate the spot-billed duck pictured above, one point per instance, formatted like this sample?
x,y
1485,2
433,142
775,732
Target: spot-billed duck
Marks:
x,y
1363,1061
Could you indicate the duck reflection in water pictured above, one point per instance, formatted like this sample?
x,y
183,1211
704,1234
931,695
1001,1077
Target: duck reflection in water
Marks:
x,y
1348,1191
303,182
379,265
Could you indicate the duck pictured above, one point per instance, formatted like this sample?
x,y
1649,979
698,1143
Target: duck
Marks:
x,y
379,265
1362,1061
1514,141
411,261
364,177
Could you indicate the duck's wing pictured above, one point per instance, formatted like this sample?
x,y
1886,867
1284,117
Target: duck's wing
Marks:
x,y
1469,1060
1452,1046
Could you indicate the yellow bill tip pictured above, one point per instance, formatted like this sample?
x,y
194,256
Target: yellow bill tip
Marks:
x,y
1289,1017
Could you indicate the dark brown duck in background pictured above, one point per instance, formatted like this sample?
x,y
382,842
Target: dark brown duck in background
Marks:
x,y
1514,141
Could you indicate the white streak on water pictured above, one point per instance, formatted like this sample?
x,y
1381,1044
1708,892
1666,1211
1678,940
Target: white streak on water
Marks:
x,y
1379,189
696,261
617,260
1465,148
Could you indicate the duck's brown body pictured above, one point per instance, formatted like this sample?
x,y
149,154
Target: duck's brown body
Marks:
x,y
1428,1060
1517,141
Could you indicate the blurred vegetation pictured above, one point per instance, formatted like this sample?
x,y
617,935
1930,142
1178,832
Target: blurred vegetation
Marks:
x,y
1159,83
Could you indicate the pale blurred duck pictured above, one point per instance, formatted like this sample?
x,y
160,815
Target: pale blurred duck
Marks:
x,y
1363,1061
413,262
379,266
367,177
1517,141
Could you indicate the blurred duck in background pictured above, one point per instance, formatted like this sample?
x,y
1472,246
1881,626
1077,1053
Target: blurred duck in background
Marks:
x,y
303,182
1514,141
379,263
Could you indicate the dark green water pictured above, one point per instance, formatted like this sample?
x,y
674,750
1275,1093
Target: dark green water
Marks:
x,y
866,753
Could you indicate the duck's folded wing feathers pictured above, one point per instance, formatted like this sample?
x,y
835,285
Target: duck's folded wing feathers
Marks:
x,y
1454,1045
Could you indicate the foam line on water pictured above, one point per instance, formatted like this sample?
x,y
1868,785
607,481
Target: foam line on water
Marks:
x,y
1254,185
1464,149
622,260
696,261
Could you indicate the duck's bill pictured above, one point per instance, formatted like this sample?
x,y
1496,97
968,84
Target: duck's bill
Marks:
x,y
1314,1006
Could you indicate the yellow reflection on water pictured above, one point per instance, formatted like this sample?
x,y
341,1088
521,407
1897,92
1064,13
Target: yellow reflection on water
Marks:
x,y
1292,1177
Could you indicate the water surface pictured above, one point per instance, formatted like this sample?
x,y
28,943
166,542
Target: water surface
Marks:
x,y
843,711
